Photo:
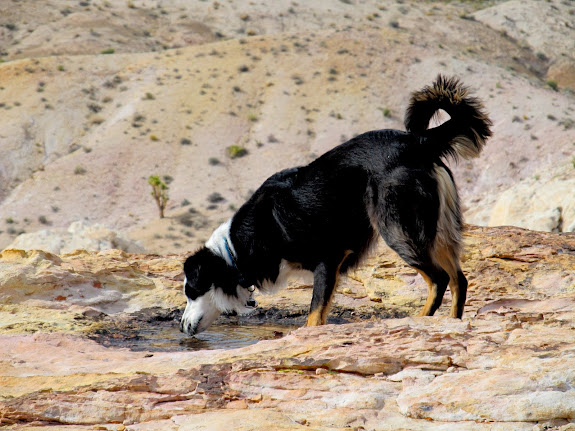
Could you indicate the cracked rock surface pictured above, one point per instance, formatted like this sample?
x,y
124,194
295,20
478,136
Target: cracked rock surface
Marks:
x,y
509,364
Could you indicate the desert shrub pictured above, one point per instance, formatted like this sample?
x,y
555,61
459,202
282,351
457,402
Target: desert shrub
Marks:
x,y
193,219
215,198
298,80
236,151
214,161
386,112
159,193
553,85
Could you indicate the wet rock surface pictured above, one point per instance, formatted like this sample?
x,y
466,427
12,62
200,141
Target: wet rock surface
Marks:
x,y
91,341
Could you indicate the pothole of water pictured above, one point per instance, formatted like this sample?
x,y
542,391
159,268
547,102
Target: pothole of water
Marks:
x,y
168,338
226,336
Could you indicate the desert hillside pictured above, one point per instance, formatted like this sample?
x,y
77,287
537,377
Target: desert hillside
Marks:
x,y
96,96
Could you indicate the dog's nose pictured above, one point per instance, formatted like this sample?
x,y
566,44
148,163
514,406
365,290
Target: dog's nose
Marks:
x,y
187,328
252,303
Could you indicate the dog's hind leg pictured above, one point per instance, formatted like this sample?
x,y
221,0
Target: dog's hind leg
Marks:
x,y
449,260
420,258
325,278
415,248
436,279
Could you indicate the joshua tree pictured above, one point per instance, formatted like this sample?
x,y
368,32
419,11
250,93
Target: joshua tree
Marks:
x,y
159,192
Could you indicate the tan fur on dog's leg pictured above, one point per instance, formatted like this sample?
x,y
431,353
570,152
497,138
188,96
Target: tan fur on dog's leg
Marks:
x,y
431,295
315,318
449,262
318,316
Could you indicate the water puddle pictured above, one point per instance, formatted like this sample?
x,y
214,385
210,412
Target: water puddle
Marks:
x,y
166,336
225,336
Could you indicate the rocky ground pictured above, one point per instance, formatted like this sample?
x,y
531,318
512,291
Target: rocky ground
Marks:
x,y
69,359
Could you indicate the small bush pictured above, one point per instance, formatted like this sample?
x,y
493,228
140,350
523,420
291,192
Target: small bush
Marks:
x,y
159,193
185,141
553,84
108,51
236,151
79,170
215,198
386,112
214,161
298,80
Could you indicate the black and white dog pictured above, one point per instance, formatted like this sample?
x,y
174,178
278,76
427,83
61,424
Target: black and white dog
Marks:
x,y
324,217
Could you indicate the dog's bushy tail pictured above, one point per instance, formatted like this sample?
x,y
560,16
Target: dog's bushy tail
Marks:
x,y
464,134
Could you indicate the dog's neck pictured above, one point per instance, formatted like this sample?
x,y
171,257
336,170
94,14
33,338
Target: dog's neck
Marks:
x,y
221,244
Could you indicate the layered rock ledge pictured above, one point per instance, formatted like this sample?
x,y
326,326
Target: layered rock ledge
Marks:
x,y
509,364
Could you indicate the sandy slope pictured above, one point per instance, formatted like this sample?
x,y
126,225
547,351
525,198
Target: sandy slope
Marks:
x,y
81,133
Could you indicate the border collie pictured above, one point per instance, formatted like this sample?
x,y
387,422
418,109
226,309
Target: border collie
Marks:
x,y
324,217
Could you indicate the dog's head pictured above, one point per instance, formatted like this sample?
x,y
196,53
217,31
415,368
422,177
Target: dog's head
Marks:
x,y
212,287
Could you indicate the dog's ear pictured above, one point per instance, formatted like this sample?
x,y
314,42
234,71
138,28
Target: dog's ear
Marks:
x,y
197,270
204,269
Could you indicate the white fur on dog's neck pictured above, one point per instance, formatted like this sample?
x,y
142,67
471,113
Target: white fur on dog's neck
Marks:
x,y
217,242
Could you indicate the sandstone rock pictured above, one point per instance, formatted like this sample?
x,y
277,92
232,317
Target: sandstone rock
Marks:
x,y
551,40
507,365
548,206
78,236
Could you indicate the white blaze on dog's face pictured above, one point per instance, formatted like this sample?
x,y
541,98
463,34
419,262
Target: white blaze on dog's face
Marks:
x,y
211,287
199,314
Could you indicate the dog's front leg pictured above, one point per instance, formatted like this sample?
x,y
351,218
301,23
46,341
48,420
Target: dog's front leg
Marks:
x,y
325,278
324,281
